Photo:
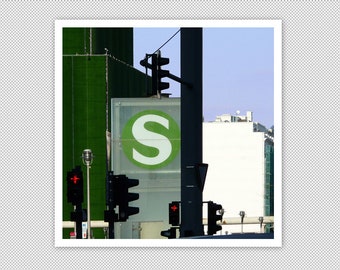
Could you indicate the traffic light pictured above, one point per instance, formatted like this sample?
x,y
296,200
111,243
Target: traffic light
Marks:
x,y
119,195
213,217
75,186
113,193
158,73
125,197
174,213
113,190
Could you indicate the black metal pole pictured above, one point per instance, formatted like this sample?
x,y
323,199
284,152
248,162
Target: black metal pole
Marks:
x,y
109,174
191,131
79,221
111,220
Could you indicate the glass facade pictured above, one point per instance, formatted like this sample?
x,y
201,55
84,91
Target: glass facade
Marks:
x,y
269,181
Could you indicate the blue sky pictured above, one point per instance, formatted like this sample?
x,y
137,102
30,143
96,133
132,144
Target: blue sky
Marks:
x,y
238,68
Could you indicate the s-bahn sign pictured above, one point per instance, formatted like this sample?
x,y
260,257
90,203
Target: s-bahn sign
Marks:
x,y
151,139
145,134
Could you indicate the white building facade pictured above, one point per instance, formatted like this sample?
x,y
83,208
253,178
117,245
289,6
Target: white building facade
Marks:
x,y
238,175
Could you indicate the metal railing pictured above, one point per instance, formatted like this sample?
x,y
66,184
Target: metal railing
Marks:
x,y
225,221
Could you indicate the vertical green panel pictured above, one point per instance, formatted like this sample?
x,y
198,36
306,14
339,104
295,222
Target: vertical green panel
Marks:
x,y
84,125
125,81
68,163
84,104
75,40
119,42
89,124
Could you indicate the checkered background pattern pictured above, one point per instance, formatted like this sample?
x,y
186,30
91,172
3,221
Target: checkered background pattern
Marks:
x,y
310,130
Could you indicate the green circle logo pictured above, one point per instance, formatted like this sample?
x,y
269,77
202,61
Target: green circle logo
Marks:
x,y
151,139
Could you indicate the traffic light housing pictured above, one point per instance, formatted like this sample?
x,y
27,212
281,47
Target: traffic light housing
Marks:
x,y
158,73
112,200
119,195
171,233
213,217
174,213
75,186
124,197
113,190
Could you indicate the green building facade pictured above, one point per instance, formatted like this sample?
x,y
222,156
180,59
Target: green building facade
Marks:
x,y
97,66
269,182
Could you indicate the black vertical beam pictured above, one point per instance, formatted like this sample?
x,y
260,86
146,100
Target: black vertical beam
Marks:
x,y
110,177
79,221
191,131
111,216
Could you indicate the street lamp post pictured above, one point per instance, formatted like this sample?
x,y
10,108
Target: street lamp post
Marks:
x,y
87,160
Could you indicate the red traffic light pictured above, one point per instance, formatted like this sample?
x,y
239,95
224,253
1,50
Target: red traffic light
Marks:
x,y
174,207
75,186
75,179
174,213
